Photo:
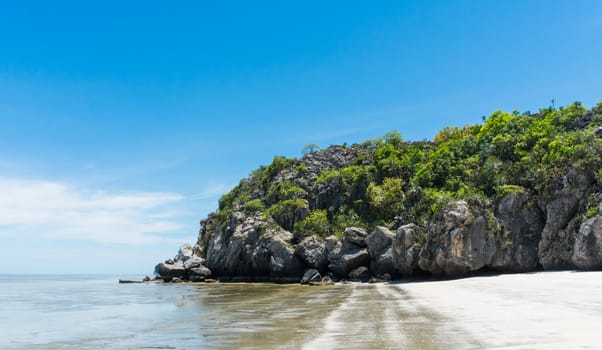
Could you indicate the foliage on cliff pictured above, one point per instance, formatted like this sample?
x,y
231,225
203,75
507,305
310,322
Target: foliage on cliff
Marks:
x,y
386,179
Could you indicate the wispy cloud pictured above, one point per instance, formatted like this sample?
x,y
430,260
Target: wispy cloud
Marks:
x,y
212,190
53,209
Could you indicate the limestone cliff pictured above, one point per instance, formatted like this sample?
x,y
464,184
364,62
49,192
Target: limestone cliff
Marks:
x,y
521,192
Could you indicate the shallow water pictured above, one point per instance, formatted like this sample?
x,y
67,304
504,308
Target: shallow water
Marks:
x,y
95,312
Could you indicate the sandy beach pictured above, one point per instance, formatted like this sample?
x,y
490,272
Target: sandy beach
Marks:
x,y
545,310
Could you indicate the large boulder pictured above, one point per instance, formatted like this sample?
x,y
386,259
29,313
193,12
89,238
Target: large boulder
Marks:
x,y
406,248
343,260
360,274
186,265
383,263
380,250
587,254
283,262
522,222
313,253
460,240
378,240
355,236
193,262
199,274
556,247
170,271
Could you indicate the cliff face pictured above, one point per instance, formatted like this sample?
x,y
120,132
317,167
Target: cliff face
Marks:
x,y
518,193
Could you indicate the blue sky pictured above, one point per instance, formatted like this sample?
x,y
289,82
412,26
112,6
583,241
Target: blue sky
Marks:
x,y
121,123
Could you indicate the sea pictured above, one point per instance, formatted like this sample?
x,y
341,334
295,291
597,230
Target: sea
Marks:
x,y
555,310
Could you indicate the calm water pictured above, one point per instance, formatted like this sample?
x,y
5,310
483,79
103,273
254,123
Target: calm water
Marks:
x,y
544,311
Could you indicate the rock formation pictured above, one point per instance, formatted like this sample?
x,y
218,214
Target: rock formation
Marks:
x,y
499,198
186,265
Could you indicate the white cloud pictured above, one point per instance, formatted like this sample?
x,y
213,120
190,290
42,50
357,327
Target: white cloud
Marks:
x,y
52,209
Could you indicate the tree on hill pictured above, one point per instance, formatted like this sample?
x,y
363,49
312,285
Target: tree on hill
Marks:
x,y
310,148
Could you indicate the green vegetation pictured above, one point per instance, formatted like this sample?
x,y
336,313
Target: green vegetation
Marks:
x,y
316,223
254,206
386,200
388,177
591,212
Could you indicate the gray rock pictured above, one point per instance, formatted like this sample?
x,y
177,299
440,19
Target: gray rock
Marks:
x,y
197,250
342,261
587,254
327,194
384,263
379,240
360,274
283,262
199,274
184,253
379,248
169,271
129,281
252,247
193,262
459,241
313,253
555,247
287,219
522,222
406,248
311,275
332,243
355,235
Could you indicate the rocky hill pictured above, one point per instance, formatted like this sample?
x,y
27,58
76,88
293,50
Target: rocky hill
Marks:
x,y
522,192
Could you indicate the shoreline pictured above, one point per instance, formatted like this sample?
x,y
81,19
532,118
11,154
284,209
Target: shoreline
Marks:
x,y
395,281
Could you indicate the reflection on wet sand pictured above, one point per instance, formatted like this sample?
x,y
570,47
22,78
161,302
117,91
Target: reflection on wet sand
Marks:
x,y
352,316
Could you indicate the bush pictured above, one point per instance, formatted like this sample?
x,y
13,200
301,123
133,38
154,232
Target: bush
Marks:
x,y
591,212
284,190
346,218
386,200
315,224
254,206
503,190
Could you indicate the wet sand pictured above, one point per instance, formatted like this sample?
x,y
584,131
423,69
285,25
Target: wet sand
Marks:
x,y
547,310
349,316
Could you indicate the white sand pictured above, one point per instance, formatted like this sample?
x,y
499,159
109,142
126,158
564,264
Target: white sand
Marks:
x,y
547,310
